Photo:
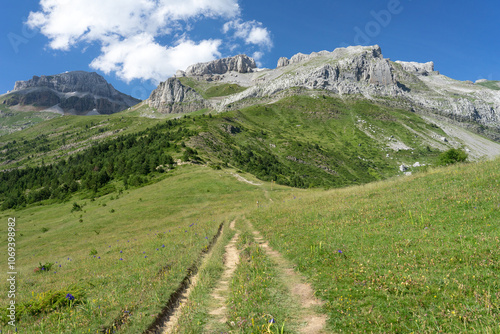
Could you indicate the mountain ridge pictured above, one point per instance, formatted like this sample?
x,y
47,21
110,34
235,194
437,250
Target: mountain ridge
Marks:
x,y
356,71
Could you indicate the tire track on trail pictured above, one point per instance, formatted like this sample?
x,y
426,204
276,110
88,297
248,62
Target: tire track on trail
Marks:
x,y
167,320
231,261
311,322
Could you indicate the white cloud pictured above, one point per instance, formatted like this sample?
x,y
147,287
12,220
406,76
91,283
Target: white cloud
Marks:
x,y
128,32
140,57
252,32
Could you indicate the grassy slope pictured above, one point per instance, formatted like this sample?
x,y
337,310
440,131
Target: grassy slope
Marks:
x,y
62,136
209,90
321,141
419,254
11,120
191,195
323,132
495,85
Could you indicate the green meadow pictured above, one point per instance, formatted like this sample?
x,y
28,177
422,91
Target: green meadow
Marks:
x,y
122,254
411,254
418,254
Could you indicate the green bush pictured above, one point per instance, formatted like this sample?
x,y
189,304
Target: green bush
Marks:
x,y
47,302
452,156
76,207
44,268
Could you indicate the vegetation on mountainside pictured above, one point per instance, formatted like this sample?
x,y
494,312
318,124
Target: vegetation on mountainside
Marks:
x,y
11,120
210,90
130,158
299,141
491,84
452,156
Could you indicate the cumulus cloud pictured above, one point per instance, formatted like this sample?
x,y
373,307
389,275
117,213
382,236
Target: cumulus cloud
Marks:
x,y
140,57
252,32
128,32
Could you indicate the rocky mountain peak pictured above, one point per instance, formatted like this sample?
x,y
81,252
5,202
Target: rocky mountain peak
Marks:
x,y
75,81
172,96
76,92
369,51
239,63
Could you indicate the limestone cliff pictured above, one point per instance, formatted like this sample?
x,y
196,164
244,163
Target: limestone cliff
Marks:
x,y
172,96
239,63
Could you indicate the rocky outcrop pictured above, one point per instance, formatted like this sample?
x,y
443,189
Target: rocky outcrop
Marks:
x,y
417,68
352,70
239,63
283,61
172,96
75,92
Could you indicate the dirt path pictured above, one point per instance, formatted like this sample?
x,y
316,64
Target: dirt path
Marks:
x,y
242,179
231,260
312,322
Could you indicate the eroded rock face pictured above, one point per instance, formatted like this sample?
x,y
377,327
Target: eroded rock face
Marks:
x,y
239,63
172,96
283,61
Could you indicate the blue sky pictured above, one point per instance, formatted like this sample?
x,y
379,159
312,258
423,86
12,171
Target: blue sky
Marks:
x,y
135,44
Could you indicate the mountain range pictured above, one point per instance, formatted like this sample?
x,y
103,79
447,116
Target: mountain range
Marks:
x,y
358,71
402,111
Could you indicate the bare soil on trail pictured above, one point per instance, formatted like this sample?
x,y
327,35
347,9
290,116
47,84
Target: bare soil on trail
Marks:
x,y
309,320
312,322
231,261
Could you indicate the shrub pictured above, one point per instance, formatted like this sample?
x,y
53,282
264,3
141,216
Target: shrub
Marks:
x,y
43,268
47,302
452,156
76,207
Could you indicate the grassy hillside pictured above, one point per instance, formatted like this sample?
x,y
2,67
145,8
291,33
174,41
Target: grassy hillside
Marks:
x,y
300,141
210,90
319,141
412,254
491,84
58,138
121,255
419,254
11,120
